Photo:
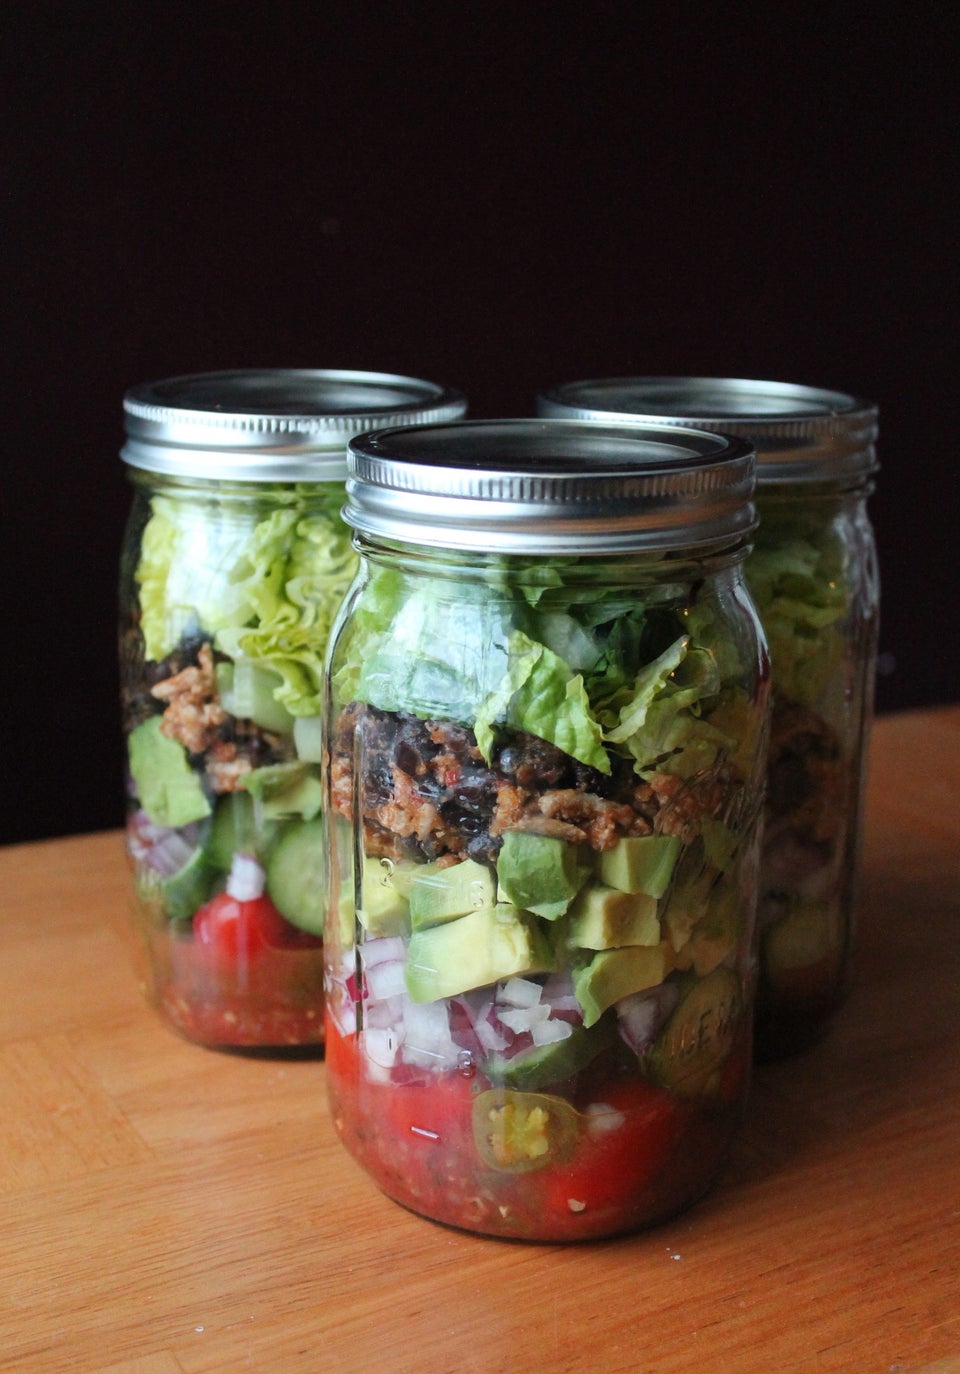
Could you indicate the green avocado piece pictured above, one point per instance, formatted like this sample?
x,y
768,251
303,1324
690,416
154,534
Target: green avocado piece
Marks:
x,y
616,973
540,873
246,691
169,790
717,934
687,905
443,894
604,918
698,1036
286,789
384,910
296,874
542,1065
640,863
810,933
474,950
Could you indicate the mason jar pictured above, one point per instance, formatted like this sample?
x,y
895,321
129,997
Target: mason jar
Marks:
x,y
234,563
546,723
814,577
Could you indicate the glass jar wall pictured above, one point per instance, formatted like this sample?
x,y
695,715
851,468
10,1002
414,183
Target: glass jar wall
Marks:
x,y
813,574
234,565
546,724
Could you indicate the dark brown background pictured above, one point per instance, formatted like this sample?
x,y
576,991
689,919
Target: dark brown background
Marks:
x,y
494,196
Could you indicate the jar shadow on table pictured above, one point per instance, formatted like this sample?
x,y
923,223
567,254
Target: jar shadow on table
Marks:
x,y
889,1051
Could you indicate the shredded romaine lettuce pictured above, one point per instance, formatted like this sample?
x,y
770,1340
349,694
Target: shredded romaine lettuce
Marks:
x,y
268,595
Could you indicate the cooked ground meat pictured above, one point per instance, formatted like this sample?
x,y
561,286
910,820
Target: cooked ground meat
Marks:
x,y
424,790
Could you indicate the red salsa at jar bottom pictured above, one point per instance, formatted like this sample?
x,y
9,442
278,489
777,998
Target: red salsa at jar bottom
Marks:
x,y
619,1154
270,999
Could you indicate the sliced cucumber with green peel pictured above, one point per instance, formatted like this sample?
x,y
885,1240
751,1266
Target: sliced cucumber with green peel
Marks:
x,y
696,1041
296,875
545,1064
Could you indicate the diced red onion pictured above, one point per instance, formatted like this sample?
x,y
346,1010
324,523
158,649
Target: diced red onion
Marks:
x,y
159,847
385,979
643,1013
385,948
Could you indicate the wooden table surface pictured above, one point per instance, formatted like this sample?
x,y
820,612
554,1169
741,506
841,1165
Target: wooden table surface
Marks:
x,y
166,1209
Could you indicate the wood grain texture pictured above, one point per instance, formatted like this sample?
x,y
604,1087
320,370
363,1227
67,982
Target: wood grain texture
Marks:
x,y
166,1209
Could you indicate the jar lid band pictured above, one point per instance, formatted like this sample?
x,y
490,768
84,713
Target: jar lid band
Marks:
x,y
271,424
539,486
800,433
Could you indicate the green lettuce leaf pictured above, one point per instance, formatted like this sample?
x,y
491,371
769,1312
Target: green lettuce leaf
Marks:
x,y
268,595
540,694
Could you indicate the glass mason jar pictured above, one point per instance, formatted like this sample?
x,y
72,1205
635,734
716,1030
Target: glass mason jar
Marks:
x,y
235,561
813,574
546,723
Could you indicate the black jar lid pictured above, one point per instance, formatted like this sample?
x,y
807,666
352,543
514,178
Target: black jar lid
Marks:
x,y
276,425
550,486
800,433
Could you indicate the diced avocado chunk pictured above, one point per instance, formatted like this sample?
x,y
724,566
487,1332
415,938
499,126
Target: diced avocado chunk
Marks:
x,y
295,875
810,933
687,905
542,1065
696,1040
167,787
384,910
474,950
640,863
604,918
716,936
719,842
443,894
616,973
286,789
540,873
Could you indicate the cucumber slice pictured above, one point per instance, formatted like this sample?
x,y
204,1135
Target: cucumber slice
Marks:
x,y
189,888
545,1064
696,1041
296,875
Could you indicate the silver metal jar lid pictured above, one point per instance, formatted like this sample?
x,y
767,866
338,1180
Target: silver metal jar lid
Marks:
x,y
800,433
546,486
278,425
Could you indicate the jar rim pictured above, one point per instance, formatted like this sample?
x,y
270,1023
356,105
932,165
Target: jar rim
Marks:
x,y
800,433
541,486
271,424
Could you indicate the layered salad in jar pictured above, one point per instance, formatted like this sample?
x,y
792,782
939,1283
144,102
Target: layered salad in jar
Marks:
x,y
812,574
229,595
544,790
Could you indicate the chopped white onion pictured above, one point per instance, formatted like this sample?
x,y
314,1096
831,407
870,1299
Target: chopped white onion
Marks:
x,y
385,980
427,1039
384,1014
602,1118
521,1019
518,992
386,948
550,1031
381,1046
247,879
